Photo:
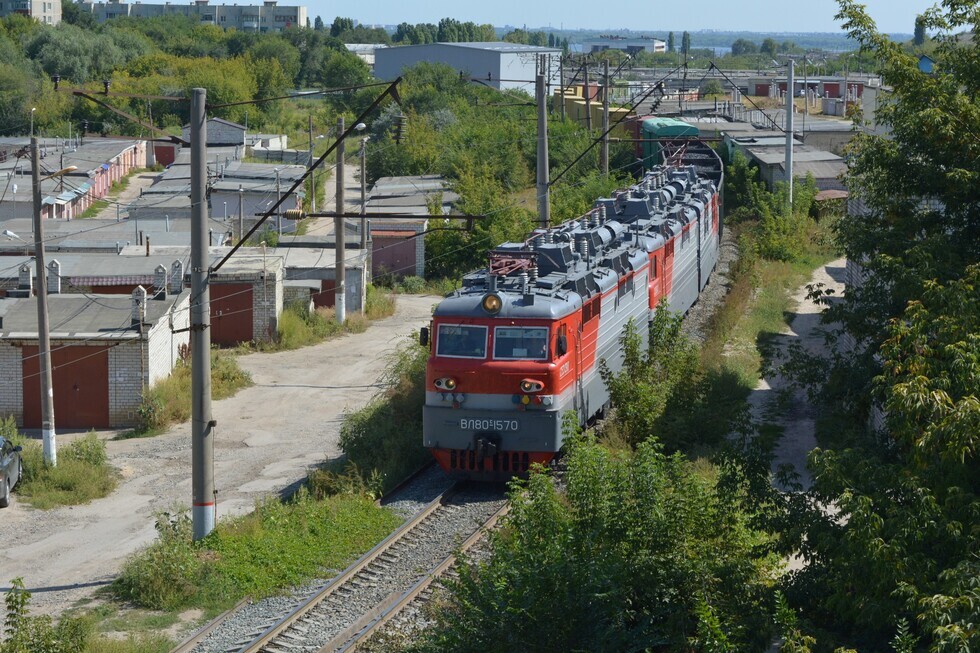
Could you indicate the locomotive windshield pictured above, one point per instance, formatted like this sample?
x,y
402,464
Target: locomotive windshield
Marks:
x,y
459,341
520,343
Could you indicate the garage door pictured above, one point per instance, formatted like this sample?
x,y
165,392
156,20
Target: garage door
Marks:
x,y
80,375
231,313
393,253
327,296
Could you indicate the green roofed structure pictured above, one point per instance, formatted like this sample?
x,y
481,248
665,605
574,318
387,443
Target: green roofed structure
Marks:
x,y
656,129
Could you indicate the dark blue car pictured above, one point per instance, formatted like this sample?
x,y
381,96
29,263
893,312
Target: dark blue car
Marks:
x,y
11,470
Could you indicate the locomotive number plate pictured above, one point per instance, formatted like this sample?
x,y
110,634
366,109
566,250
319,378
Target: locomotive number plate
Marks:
x,y
478,424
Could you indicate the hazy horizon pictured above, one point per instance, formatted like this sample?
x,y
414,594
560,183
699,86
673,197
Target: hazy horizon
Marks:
x,y
892,16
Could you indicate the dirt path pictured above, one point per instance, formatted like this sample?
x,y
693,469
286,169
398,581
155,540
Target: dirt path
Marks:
x,y
774,401
352,198
118,203
267,438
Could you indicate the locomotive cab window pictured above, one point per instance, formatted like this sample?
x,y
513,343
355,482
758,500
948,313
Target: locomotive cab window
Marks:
x,y
461,341
520,343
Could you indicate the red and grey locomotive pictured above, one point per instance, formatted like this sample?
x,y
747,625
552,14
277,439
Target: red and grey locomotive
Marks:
x,y
519,344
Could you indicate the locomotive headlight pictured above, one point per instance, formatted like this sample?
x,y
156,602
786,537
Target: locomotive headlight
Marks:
x,y
530,385
446,383
492,304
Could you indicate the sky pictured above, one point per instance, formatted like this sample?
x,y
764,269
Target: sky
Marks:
x,y
639,15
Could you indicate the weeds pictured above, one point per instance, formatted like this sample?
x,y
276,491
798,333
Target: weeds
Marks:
x,y
384,439
303,537
169,401
81,475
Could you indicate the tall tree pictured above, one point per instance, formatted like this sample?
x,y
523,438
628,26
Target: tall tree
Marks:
x,y
341,25
686,43
744,46
769,46
670,42
901,542
920,31
318,24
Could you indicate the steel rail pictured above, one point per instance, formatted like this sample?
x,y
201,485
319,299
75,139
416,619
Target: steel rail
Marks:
x,y
199,636
359,633
283,624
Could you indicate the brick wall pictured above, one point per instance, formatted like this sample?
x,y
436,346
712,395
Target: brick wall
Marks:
x,y
12,387
163,345
125,384
267,301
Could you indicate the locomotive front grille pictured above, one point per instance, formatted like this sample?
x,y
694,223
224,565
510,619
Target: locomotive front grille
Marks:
x,y
506,461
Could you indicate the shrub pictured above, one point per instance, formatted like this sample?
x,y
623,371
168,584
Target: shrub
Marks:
x,y
26,633
413,285
636,549
166,574
379,304
384,438
302,537
654,391
81,475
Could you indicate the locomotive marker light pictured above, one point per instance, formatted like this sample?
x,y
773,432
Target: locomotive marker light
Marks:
x,y
492,304
446,383
530,385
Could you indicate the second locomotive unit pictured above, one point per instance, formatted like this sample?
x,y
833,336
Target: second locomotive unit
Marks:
x,y
519,344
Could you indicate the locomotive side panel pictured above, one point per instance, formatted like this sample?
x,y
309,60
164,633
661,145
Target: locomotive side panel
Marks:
x,y
495,412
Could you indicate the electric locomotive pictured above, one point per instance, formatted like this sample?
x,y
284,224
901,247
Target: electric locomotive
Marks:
x,y
519,344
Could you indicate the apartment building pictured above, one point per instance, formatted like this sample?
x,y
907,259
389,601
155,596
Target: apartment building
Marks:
x,y
45,11
270,16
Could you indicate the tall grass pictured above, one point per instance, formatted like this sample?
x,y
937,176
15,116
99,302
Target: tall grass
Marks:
x,y
82,473
169,400
278,545
301,327
384,439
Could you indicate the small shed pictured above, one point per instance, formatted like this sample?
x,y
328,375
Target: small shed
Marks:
x,y
105,351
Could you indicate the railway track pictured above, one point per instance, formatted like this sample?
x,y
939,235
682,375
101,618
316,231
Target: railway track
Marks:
x,y
354,605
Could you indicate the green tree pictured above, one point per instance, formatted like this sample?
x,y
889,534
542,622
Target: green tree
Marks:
x,y
744,46
278,48
901,545
318,24
342,69
920,31
770,47
670,42
74,14
341,25
639,551
686,43
712,87
658,368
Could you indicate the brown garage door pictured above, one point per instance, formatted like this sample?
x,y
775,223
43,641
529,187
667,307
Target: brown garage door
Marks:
x,y
393,253
80,375
231,313
327,296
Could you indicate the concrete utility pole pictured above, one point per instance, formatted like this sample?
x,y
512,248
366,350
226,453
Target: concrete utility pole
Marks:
x,y
364,141
278,202
788,164
202,424
604,152
588,99
43,332
312,176
241,212
340,286
543,190
561,81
